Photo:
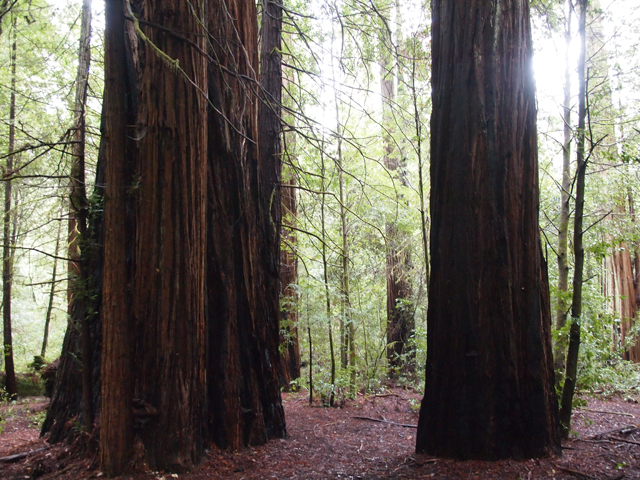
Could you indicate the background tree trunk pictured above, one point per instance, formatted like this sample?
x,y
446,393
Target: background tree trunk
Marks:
x,y
571,372
52,292
489,375
561,304
400,321
325,274
289,342
625,298
7,250
77,282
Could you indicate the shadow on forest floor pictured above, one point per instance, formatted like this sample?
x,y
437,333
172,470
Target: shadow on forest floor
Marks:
x,y
326,443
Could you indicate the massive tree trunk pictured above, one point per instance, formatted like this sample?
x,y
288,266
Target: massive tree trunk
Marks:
x,y
189,310
169,275
489,374
153,297
117,374
242,251
279,199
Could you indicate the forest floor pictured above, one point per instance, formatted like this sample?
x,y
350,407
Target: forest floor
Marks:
x,y
345,443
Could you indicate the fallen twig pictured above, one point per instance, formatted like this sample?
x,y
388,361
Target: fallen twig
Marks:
x,y
57,474
632,429
624,429
18,456
618,439
405,425
575,472
606,440
620,476
606,411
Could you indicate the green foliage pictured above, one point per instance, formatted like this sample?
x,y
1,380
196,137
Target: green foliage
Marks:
x,y
343,126
29,385
37,419
46,38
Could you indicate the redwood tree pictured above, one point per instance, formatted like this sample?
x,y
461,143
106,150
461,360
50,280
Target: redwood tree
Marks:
x,y
244,406
278,198
189,313
489,377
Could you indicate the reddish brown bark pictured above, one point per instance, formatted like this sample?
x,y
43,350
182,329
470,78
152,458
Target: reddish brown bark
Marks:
x,y
289,342
242,303
116,419
622,292
489,377
189,341
170,230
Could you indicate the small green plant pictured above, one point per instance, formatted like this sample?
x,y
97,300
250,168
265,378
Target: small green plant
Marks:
x,y
579,401
37,419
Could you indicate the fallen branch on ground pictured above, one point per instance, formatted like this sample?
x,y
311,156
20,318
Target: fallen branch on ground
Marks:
x,y
606,440
606,411
18,456
624,429
618,439
575,472
405,425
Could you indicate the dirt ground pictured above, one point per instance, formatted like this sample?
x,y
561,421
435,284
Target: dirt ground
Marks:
x,y
339,443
